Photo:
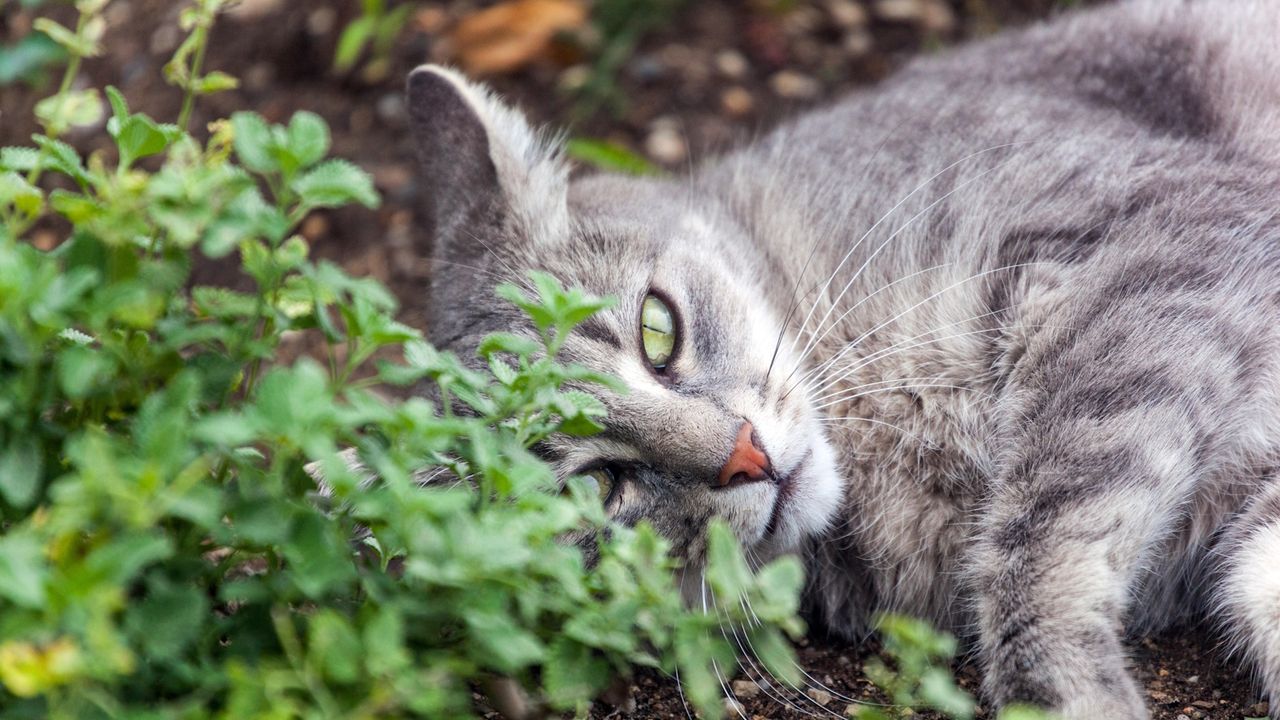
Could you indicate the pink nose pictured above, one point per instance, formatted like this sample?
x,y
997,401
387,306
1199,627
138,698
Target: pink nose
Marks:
x,y
747,463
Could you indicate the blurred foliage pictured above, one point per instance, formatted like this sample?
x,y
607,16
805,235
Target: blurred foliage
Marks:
x,y
621,24
375,30
166,551
609,156
918,675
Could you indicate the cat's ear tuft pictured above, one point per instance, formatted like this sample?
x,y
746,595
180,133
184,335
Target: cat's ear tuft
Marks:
x,y
482,162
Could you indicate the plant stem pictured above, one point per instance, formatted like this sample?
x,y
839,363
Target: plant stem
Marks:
x,y
202,44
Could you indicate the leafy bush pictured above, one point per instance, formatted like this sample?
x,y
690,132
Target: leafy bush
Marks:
x,y
165,551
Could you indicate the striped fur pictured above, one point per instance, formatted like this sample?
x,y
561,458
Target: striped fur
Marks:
x,y
1007,324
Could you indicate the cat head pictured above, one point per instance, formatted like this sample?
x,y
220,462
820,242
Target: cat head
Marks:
x,y
715,423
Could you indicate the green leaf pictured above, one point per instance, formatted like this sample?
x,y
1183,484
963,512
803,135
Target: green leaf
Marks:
x,y
308,138
938,689
169,618
775,653
23,571
253,142
214,82
26,59
727,571
16,191
82,370
610,156
73,43
335,183
335,647
318,557
353,40
138,136
573,673
502,644
74,109
21,464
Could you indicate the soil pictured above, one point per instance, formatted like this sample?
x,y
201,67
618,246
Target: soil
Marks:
x,y
717,73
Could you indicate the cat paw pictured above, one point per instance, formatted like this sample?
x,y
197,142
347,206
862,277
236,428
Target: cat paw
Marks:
x,y
1104,704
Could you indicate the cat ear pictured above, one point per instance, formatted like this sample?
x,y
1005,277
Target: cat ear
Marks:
x,y
483,165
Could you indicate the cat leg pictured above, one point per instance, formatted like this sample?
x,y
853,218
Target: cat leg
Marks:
x,y
1086,494
1249,593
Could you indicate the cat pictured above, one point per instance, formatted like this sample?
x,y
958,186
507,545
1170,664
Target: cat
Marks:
x,y
995,343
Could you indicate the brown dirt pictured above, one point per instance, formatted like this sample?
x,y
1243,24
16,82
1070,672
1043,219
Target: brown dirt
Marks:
x,y
720,72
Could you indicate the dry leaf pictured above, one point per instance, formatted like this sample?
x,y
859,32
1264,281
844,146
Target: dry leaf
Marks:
x,y
510,35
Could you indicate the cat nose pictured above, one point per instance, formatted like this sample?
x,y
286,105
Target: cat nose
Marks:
x,y
747,463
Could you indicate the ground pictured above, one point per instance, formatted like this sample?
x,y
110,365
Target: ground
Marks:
x,y
715,73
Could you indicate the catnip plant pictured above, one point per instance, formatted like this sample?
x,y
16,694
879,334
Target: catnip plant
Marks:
x,y
166,550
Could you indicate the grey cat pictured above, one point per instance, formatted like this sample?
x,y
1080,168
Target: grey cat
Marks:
x,y
994,344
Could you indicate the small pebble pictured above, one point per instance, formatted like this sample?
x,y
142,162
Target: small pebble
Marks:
x,y
745,689
908,11
165,39
391,109
259,76
937,17
574,78
1261,709
731,64
820,696
665,144
1183,717
646,68
794,86
733,708
847,14
858,43
322,21
736,101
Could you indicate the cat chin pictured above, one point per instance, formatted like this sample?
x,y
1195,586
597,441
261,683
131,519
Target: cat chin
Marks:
x,y
807,505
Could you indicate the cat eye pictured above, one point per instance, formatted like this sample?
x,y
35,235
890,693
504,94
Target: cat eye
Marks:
x,y
603,480
657,331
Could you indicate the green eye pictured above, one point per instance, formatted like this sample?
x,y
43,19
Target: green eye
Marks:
x,y
602,481
657,331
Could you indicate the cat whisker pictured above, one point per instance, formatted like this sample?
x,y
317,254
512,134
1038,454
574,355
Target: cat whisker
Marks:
x,y
849,398
923,302
885,216
715,667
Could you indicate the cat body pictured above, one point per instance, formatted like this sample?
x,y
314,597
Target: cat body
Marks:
x,y
1007,329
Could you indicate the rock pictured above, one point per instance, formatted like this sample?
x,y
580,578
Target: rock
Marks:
x,y
794,86
391,109
665,143
858,43
1260,709
820,696
736,101
1182,717
573,78
259,76
745,689
904,11
646,68
733,708
165,39
732,64
1160,697
847,14
322,21
937,17
251,10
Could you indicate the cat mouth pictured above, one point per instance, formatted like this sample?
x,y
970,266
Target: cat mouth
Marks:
x,y
786,489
